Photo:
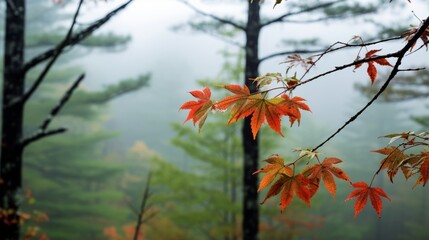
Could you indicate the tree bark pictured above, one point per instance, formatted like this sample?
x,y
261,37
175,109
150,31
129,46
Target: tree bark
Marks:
x,y
250,145
11,148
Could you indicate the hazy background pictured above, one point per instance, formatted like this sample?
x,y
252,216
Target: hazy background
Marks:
x,y
141,124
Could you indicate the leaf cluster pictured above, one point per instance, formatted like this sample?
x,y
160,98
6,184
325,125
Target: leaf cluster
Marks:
x,y
243,104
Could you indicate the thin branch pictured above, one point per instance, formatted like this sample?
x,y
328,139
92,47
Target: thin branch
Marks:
x,y
41,134
346,45
400,55
61,103
317,20
364,60
55,56
299,51
411,69
12,6
305,10
75,38
41,131
142,208
214,17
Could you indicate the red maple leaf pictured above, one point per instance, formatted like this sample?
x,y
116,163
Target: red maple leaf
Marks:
x,y
199,109
326,172
393,160
275,167
372,70
290,185
238,102
261,109
362,194
423,170
292,106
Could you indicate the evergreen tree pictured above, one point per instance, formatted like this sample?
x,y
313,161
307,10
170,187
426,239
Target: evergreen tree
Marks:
x,y
69,176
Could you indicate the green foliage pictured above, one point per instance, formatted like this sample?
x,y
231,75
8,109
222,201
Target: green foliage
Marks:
x,y
72,177
50,38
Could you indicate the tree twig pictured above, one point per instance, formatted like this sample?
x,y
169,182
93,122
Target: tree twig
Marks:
x,y
143,208
75,38
400,55
55,56
214,17
305,10
41,132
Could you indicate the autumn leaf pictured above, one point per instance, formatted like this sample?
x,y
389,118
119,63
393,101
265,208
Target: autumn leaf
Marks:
x,y
392,161
275,167
199,109
409,34
262,110
362,193
372,70
326,172
289,186
423,169
267,79
238,100
291,107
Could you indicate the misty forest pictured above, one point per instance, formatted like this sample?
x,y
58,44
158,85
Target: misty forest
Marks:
x,y
211,119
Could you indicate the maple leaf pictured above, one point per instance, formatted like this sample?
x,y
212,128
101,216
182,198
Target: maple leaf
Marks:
x,y
409,34
292,106
424,169
199,109
363,193
326,172
267,79
394,159
275,167
372,70
291,185
262,110
238,100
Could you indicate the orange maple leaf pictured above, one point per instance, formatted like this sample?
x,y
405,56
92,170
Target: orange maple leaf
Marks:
x,y
394,159
410,34
262,110
275,167
424,169
363,193
292,106
372,70
199,109
238,100
291,185
325,172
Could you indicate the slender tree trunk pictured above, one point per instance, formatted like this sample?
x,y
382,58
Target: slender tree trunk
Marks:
x,y
250,145
13,89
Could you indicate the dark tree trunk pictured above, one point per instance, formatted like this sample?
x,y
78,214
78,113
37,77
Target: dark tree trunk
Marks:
x,y
13,89
250,145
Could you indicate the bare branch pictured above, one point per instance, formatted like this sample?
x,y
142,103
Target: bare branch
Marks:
x,y
305,10
214,17
41,134
143,208
41,131
62,102
298,51
55,56
400,55
75,38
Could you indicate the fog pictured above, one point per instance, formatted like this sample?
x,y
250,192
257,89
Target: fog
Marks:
x,y
143,125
